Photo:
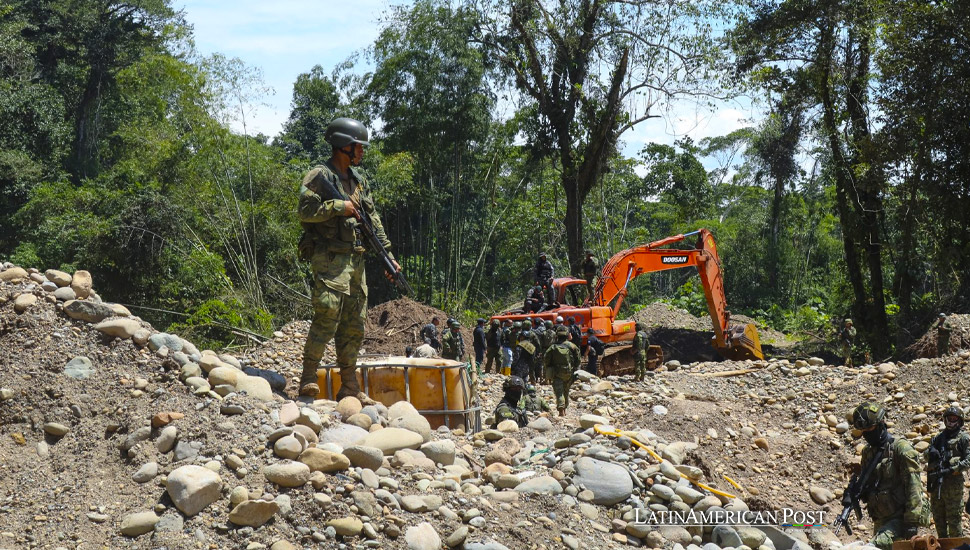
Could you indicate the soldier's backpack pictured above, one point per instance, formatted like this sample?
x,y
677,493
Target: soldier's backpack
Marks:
x,y
560,358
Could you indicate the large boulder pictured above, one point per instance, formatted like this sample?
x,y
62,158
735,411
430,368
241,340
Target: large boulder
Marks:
x,y
85,310
390,440
609,482
82,283
254,386
13,275
345,435
192,488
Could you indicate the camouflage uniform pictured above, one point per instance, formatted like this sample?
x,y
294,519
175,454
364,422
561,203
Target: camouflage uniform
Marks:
x,y
339,285
561,361
589,271
846,339
640,346
946,493
524,357
493,343
531,402
896,500
452,345
943,328
505,411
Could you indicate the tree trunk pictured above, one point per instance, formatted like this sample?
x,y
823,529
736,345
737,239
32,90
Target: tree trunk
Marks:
x,y
574,223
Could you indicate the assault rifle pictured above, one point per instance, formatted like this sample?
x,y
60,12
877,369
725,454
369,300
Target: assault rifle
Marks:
x,y
940,456
857,489
367,230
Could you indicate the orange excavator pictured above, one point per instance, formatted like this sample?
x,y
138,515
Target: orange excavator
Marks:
x,y
598,311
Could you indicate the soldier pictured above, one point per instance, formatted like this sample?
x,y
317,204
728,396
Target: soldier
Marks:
x,y
493,343
575,333
548,336
478,342
594,350
534,299
525,353
895,498
508,407
590,268
559,320
452,343
561,363
846,339
425,351
947,457
507,346
527,333
429,333
943,329
332,242
544,273
531,402
640,346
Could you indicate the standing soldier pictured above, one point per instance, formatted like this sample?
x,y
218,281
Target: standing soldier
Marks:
x,y
493,343
846,339
544,273
507,347
548,337
575,333
332,241
429,333
948,456
594,350
478,342
561,363
525,353
590,267
943,329
895,496
640,346
452,343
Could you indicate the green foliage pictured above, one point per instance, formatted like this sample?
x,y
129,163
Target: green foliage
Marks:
x,y
690,297
217,323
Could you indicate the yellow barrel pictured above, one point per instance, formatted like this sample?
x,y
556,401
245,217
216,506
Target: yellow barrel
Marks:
x,y
434,385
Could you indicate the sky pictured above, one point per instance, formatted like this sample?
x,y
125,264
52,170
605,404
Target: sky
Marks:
x,y
284,38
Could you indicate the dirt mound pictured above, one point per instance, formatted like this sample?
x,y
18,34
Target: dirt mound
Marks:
x,y
959,339
393,325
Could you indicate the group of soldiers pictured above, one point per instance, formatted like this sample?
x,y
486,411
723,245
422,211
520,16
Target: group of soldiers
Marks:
x,y
847,334
541,296
893,492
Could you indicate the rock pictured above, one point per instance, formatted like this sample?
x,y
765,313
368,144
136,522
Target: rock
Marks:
x,y
421,503
348,406
327,462
360,420
688,494
725,536
366,502
13,275
166,439
24,302
224,376
65,294
346,527
82,283
86,310
761,443
816,361
390,440
307,433
283,545
288,473
441,451
457,537
409,458
751,536
587,421
59,278
170,522
344,435
119,328
311,419
602,387
187,450
541,485
165,418
820,495
541,424
487,545
415,423
288,447
363,456
570,542
139,523
79,368
238,495
146,473
277,382
255,386
254,513
192,488
55,429
289,412
6,394
422,537
610,483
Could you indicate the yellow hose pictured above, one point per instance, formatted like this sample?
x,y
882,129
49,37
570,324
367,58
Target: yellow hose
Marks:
x,y
659,460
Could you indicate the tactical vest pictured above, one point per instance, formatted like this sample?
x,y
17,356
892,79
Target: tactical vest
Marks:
x,y
340,233
558,358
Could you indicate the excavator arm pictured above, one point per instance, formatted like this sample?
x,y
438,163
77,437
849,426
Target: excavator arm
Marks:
x,y
623,267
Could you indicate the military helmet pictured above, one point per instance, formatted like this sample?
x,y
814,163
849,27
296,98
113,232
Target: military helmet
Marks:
x,y
517,324
455,323
848,321
513,383
867,415
495,322
343,131
529,388
526,325
480,321
559,318
953,410
542,254
547,323
942,315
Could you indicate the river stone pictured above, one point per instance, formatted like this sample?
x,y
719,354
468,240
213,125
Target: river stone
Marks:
x,y
65,294
224,375
457,537
254,513
82,283
166,439
422,537
487,545
288,447
79,368
277,382
56,429
327,462
24,302
146,473
86,310
441,451
587,421
59,278
363,456
390,440
187,450
609,482
192,488
139,523
255,386
288,473
415,423
13,275
346,527
119,328
541,424
164,340
724,535
421,503
348,406
541,485
344,435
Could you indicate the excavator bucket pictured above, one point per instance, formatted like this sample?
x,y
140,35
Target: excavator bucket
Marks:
x,y
743,343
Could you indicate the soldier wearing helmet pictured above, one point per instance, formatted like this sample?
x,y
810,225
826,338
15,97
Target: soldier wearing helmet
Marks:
x,y
332,243
947,457
641,343
846,339
493,343
508,407
895,499
943,329
532,403
452,343
590,268
544,275
560,365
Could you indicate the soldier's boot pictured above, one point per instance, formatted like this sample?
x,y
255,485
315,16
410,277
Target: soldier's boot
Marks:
x,y
308,380
350,388
562,411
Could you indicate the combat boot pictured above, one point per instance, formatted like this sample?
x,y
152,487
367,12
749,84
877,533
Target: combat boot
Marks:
x,y
562,412
349,387
308,380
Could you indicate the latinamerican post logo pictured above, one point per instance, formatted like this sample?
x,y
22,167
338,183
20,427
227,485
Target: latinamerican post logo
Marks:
x,y
785,518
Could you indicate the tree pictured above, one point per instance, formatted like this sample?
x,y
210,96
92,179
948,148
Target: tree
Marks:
x,y
590,70
315,103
